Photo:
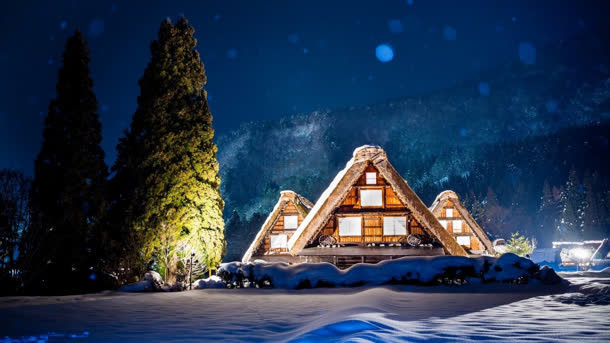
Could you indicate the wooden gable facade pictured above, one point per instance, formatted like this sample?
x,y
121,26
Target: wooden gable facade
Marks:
x,y
384,219
280,225
456,219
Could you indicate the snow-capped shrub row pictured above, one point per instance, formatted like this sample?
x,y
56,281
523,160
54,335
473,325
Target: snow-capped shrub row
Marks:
x,y
409,270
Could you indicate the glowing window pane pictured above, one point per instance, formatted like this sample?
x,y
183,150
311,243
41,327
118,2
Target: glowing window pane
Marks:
x,y
449,212
371,198
278,241
394,226
444,223
457,225
463,240
350,226
371,178
291,222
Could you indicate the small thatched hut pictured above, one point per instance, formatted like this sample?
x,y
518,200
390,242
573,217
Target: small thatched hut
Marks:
x,y
456,219
271,241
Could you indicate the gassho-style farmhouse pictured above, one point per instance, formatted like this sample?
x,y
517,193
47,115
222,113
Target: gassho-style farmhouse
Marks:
x,y
367,214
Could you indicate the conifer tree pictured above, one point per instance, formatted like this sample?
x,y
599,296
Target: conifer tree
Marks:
x,y
166,185
67,197
548,214
572,208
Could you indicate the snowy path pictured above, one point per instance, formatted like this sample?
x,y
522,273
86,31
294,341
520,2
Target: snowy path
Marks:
x,y
383,314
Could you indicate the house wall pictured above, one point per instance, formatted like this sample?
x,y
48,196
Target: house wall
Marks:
x,y
371,217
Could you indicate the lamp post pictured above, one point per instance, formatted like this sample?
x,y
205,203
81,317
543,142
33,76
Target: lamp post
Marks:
x,y
191,272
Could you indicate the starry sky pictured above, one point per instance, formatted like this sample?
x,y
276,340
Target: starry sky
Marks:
x,y
267,59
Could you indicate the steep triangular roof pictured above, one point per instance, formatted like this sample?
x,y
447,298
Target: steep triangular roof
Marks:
x,y
301,203
338,190
437,207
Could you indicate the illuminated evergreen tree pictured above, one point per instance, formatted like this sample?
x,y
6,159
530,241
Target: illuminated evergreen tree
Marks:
x,y
166,185
67,201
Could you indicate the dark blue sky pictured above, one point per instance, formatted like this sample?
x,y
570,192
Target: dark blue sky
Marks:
x,y
265,59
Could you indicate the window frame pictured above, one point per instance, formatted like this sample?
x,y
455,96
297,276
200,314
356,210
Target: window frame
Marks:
x,y
296,221
394,219
368,177
380,190
352,220
453,222
271,240
447,215
457,239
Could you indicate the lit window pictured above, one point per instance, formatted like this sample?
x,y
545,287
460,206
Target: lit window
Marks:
x,y
350,226
291,222
444,223
394,226
278,241
463,240
371,178
457,225
448,212
371,198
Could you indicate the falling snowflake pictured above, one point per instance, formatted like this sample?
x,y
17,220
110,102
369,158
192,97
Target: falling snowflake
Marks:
x,y
384,53
527,53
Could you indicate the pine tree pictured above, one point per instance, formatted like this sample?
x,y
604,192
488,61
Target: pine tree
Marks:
x,y
572,209
14,220
495,215
167,184
67,197
591,217
548,214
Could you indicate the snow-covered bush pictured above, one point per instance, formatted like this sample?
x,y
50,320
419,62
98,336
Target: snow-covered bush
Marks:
x,y
213,281
408,270
151,282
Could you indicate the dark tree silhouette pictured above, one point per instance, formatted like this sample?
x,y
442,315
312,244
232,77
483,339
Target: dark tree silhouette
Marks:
x,y
67,201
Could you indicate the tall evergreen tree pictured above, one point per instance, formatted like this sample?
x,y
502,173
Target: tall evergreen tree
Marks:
x,y
572,209
167,184
548,214
67,197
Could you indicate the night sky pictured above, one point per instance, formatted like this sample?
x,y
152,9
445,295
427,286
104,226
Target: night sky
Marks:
x,y
266,59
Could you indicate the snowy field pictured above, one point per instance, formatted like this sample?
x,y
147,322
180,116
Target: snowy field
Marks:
x,y
532,313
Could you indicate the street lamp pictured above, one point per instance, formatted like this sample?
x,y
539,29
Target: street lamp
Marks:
x,y
191,272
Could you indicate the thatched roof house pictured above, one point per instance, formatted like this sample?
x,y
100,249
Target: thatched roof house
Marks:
x,y
370,210
271,240
456,219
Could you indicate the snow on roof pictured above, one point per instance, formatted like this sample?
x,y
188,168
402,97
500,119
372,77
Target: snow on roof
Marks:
x,y
365,147
443,195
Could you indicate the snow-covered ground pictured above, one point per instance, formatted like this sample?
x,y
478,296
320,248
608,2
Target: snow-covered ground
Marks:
x,y
532,313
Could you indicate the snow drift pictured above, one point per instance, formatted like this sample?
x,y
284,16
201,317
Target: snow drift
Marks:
x,y
409,270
